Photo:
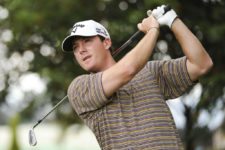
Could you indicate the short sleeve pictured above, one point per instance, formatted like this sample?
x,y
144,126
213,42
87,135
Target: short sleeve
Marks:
x,y
172,76
86,93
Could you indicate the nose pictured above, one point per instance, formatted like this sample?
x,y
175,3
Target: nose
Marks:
x,y
80,48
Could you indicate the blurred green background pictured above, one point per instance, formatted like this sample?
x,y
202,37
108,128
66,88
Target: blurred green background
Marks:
x,y
35,73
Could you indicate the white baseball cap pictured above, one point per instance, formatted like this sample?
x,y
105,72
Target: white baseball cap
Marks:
x,y
84,28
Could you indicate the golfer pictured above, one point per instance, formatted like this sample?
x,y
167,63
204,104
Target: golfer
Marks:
x,y
124,102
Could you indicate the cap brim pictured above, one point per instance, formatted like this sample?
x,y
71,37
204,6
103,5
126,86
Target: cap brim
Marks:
x,y
67,45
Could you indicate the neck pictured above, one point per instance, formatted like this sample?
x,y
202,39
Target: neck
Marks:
x,y
109,63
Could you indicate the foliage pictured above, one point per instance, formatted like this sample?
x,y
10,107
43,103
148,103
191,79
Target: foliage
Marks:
x,y
13,125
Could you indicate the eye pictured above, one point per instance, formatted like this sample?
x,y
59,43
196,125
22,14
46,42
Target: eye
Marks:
x,y
87,40
75,48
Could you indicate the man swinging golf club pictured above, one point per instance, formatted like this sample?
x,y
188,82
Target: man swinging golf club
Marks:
x,y
123,102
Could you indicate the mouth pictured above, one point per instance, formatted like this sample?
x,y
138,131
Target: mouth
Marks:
x,y
86,58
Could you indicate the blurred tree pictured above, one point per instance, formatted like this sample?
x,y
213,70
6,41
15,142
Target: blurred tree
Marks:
x,y
39,26
14,122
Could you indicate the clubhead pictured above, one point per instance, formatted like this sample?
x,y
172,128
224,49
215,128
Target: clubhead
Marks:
x,y
32,138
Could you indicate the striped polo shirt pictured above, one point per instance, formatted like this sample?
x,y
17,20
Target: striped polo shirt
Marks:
x,y
136,117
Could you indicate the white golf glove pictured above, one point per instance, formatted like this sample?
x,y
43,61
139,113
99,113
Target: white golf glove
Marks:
x,y
162,17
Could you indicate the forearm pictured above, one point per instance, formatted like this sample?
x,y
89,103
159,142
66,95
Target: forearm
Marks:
x,y
123,71
139,55
199,61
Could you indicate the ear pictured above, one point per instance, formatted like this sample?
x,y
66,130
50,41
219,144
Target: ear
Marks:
x,y
107,43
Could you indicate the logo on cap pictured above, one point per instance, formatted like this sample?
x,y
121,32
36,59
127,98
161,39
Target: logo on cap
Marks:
x,y
101,31
76,26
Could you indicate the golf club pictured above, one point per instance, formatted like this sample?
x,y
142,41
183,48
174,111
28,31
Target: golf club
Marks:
x,y
134,36
31,136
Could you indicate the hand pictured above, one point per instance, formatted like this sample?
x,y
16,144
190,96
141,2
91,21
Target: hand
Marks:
x,y
147,24
162,17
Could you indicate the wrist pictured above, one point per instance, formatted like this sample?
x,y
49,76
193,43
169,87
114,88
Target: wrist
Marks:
x,y
152,28
172,15
174,22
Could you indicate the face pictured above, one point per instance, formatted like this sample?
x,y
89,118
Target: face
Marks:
x,y
90,53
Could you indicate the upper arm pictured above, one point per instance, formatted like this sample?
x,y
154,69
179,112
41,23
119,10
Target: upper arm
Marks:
x,y
115,77
193,71
198,60
173,77
86,94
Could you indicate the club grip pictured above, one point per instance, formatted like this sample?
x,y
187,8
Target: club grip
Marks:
x,y
166,9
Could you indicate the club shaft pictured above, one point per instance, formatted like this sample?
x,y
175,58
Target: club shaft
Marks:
x,y
59,103
127,43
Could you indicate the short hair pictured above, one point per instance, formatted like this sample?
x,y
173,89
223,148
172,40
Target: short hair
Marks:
x,y
102,39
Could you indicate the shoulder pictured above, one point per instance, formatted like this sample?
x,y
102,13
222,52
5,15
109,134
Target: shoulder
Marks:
x,y
78,80
84,81
158,63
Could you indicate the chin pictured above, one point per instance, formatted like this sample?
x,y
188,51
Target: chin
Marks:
x,y
93,70
88,69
